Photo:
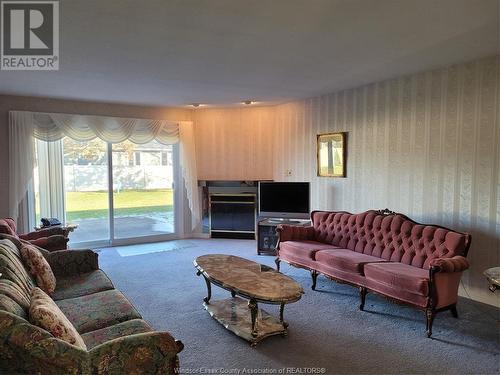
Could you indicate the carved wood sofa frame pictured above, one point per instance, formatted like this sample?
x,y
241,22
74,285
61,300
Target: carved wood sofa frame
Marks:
x,y
430,310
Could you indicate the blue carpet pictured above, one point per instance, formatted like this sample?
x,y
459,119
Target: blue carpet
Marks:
x,y
141,249
326,328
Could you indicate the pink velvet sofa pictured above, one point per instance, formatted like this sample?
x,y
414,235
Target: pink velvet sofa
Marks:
x,y
382,252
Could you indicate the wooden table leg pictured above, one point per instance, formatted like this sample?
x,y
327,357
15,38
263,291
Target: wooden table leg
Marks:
x,y
282,308
254,308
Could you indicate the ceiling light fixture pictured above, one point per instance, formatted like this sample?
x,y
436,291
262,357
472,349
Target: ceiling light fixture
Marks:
x,y
247,102
196,105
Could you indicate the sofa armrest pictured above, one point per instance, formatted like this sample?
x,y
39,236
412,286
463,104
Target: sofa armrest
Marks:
x,y
457,263
46,232
288,232
51,243
27,348
72,262
145,353
444,276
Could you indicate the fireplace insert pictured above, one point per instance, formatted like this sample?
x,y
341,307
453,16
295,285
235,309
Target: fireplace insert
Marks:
x,y
233,215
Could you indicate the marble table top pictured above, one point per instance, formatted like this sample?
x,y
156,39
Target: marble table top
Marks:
x,y
249,279
493,276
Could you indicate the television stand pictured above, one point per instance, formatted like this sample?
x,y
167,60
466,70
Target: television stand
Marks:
x,y
267,237
283,221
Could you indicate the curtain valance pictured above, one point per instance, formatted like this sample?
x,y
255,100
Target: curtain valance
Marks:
x,y
55,126
26,126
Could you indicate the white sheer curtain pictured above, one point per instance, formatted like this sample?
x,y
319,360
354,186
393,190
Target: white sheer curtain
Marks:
x,y
51,185
24,127
189,171
21,160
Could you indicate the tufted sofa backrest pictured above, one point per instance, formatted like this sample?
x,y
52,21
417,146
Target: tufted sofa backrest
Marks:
x,y
393,237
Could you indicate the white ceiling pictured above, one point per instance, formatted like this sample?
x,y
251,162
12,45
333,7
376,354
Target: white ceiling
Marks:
x,y
175,52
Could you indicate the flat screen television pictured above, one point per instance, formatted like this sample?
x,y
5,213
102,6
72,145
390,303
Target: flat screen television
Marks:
x,y
285,200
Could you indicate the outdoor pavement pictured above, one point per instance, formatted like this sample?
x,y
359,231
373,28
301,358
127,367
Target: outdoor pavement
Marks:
x,y
125,227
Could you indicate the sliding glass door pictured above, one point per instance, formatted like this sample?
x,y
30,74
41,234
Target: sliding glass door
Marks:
x,y
86,189
143,194
115,193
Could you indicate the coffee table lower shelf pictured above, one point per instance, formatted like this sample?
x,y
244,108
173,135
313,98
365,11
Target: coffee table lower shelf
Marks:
x,y
234,315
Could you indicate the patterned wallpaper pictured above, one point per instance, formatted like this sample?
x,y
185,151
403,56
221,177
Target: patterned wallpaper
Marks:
x,y
427,145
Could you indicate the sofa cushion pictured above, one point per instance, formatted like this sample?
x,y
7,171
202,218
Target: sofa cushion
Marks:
x,y
130,327
346,260
303,249
81,285
396,293
12,266
46,314
10,305
16,279
98,310
399,276
39,268
15,292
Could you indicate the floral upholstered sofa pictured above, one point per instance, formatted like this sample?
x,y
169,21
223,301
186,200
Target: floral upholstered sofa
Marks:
x,y
383,252
117,339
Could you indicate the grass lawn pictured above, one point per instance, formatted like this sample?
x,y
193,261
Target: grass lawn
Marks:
x,y
94,204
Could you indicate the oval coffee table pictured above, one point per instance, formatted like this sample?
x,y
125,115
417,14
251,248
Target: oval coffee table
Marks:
x,y
254,282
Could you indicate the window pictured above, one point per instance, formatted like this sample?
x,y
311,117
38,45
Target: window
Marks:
x,y
108,201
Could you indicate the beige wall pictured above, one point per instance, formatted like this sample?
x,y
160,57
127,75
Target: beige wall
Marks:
x,y
427,145
234,143
8,103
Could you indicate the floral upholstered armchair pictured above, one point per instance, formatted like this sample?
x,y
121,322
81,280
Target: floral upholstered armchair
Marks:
x,y
50,239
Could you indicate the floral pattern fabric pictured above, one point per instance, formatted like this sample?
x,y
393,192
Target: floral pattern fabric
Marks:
x,y
39,268
52,243
81,285
72,262
47,315
28,349
144,353
118,340
98,310
100,336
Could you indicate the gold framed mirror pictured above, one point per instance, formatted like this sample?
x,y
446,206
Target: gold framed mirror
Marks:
x,y
331,154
